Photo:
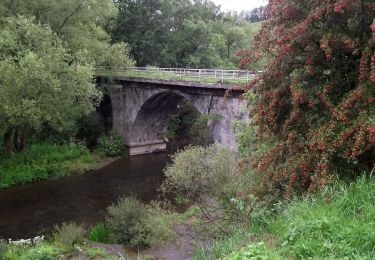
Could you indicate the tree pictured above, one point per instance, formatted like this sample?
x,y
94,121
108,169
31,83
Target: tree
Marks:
x,y
183,33
82,24
314,103
41,82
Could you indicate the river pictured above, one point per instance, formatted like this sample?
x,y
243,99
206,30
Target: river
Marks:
x,y
34,209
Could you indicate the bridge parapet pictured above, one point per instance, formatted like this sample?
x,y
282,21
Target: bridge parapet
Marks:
x,y
181,74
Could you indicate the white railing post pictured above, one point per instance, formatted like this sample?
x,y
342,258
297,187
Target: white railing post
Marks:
x,y
199,75
222,76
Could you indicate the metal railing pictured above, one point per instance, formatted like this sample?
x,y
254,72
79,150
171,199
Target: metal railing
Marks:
x,y
204,75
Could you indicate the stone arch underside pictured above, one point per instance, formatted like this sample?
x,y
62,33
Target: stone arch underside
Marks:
x,y
135,103
149,129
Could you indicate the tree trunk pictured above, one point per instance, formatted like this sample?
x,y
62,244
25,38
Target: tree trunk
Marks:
x,y
24,138
8,144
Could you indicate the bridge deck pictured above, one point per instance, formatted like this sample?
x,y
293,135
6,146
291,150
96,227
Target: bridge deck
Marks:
x,y
208,76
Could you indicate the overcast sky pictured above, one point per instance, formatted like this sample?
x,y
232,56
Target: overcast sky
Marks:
x,y
239,5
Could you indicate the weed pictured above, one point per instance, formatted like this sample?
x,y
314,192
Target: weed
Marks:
x,y
99,233
68,234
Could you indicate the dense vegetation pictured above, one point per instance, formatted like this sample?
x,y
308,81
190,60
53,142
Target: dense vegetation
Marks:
x,y
336,224
182,34
314,103
48,51
45,161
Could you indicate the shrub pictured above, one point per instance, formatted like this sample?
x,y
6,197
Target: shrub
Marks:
x,y
99,233
210,179
111,145
199,171
123,217
133,224
314,106
68,234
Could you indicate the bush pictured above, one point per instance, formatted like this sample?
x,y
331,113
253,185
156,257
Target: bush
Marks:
x,y
68,234
133,224
209,178
111,145
99,233
314,106
199,171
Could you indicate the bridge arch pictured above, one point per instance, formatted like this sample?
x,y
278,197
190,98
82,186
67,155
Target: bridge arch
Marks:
x,y
150,126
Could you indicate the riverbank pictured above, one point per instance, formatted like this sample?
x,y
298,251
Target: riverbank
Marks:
x,y
47,161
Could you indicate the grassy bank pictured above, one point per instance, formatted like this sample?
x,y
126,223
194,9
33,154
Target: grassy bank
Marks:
x,y
338,224
44,161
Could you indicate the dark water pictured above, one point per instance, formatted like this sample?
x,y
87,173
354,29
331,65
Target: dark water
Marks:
x,y
34,209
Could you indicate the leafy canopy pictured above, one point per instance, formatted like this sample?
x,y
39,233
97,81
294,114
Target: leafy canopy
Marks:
x,y
41,81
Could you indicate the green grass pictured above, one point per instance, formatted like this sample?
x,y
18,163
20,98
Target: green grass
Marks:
x,y
99,233
68,242
338,224
44,161
50,250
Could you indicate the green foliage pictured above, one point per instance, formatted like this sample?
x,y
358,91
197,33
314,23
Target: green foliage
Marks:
x,y
188,127
258,251
209,178
47,64
111,145
182,33
133,224
337,229
198,171
68,234
49,251
314,106
337,224
81,24
90,128
43,161
99,233
41,251
27,65
3,248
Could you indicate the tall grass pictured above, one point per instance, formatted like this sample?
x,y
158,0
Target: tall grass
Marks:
x,y
338,224
99,233
43,161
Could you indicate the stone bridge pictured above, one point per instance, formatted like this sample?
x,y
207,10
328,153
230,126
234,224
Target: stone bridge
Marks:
x,y
142,107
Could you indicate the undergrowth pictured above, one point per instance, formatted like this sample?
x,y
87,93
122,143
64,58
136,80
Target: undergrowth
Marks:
x,y
44,161
337,224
